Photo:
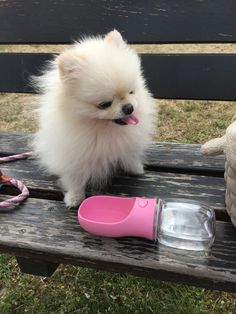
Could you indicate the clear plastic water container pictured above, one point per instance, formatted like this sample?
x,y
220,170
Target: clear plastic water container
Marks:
x,y
184,224
178,223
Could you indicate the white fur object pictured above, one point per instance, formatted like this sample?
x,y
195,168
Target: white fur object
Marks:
x,y
78,141
226,145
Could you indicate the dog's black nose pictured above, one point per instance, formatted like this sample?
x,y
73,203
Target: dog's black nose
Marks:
x,y
128,109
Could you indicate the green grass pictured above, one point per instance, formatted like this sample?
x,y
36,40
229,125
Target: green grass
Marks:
x,y
16,112
3,48
81,290
194,121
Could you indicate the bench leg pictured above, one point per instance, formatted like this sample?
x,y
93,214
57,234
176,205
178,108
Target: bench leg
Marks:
x,y
36,266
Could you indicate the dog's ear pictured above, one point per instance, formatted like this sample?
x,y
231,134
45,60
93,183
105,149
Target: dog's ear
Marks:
x,y
115,37
69,64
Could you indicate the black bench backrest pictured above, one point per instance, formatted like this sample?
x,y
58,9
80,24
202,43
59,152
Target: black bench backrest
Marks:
x,y
177,76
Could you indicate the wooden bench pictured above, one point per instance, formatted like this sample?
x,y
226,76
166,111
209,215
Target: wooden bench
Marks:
x,y
42,233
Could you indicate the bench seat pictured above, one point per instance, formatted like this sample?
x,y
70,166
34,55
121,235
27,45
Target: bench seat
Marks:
x,y
42,233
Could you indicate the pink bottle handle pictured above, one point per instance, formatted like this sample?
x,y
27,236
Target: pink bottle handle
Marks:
x,y
111,216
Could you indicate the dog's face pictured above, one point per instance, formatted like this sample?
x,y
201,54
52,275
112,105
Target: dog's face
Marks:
x,y
102,77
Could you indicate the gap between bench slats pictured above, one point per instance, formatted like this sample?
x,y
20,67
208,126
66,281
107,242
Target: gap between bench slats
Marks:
x,y
48,231
149,21
174,76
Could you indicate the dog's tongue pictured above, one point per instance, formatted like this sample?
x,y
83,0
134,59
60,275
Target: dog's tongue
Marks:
x,y
130,119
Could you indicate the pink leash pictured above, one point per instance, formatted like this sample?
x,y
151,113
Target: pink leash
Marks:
x,y
16,200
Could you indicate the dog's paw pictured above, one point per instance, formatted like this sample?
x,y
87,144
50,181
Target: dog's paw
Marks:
x,y
73,199
137,169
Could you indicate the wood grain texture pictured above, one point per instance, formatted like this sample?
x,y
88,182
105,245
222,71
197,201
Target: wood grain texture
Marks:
x,y
15,142
160,155
161,179
47,231
213,74
183,158
150,21
153,184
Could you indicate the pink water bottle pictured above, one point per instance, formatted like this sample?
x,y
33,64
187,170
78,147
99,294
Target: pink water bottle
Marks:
x,y
177,223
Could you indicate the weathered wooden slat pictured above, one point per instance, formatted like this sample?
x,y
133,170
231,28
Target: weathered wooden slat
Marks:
x,y
207,189
191,76
161,155
150,21
183,157
47,231
15,142
213,74
167,183
20,67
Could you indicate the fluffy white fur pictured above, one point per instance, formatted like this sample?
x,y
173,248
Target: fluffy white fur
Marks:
x,y
78,141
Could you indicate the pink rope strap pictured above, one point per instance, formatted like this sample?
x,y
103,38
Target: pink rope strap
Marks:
x,y
16,200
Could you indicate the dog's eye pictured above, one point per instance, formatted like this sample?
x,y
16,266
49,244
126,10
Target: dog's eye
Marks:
x,y
105,105
131,92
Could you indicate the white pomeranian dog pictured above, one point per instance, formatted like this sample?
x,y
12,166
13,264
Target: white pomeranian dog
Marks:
x,y
95,114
